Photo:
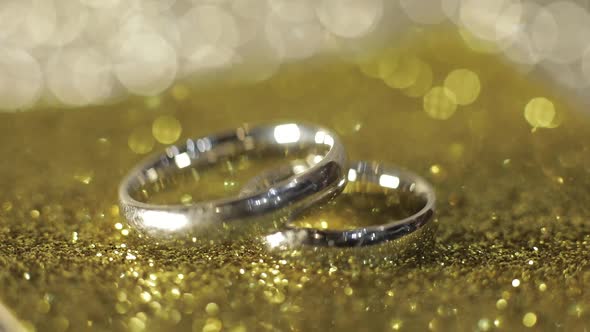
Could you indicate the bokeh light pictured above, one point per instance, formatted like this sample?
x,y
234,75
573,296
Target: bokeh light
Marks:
x,y
405,74
349,18
166,129
141,140
540,113
464,84
20,79
440,103
144,47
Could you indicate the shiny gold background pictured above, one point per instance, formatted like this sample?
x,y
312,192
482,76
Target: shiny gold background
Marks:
x,y
511,251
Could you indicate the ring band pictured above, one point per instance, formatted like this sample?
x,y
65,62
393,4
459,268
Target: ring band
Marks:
x,y
325,173
363,172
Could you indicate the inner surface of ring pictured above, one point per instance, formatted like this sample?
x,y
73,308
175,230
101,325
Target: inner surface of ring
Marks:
x,y
373,196
219,172
362,204
378,204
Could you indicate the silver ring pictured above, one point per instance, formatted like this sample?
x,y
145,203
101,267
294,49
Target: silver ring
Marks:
x,y
324,175
360,173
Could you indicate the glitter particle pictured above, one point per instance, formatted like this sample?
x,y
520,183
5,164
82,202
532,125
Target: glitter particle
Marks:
x,y
396,324
146,297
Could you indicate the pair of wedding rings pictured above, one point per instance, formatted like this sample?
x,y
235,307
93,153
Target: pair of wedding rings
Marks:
x,y
316,172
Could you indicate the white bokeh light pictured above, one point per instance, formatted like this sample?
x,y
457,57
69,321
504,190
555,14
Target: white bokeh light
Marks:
x,y
72,18
479,17
143,46
100,4
209,35
567,75
490,20
160,23
293,41
12,14
349,18
425,12
104,23
518,46
207,26
20,79
573,28
205,58
257,61
544,32
250,16
250,9
585,65
37,25
145,63
451,9
294,11
509,21
79,76
157,6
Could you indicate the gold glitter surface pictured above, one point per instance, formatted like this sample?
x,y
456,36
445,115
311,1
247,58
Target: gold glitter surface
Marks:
x,y
510,252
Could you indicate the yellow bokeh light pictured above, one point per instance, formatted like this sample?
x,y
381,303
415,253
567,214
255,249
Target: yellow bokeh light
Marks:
x,y
369,64
478,45
465,84
388,63
141,141
422,84
166,129
529,319
180,92
440,103
405,74
540,113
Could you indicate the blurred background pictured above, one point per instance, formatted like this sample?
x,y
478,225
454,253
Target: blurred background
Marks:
x,y
85,52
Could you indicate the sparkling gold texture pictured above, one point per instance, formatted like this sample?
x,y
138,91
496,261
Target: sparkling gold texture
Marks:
x,y
511,251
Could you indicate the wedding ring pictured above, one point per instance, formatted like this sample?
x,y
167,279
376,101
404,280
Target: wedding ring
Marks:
x,y
323,175
365,177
